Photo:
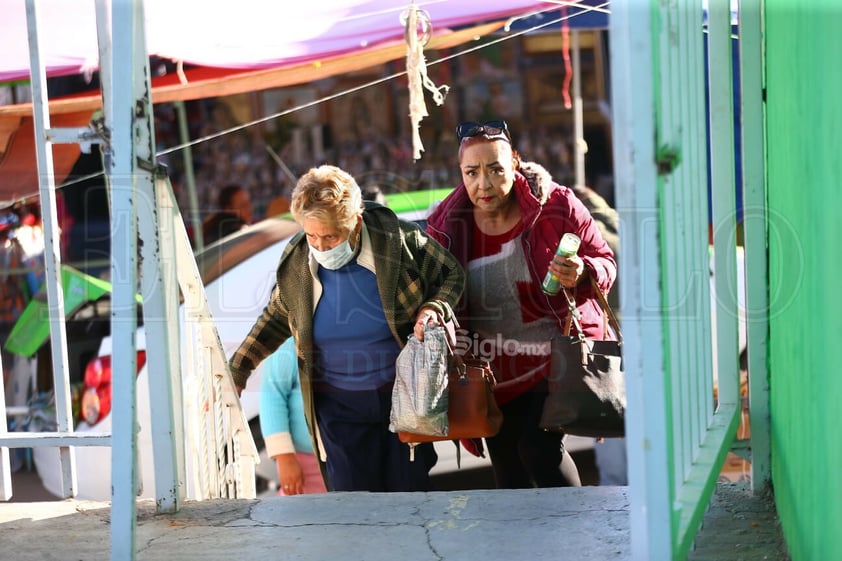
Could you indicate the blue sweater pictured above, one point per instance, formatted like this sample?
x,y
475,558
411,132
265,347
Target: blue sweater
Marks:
x,y
281,407
355,347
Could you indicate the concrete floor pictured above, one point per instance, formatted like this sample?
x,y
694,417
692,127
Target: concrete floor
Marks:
x,y
465,514
586,523
740,526
437,526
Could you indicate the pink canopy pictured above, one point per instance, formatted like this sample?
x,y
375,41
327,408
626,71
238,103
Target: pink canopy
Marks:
x,y
236,46
242,34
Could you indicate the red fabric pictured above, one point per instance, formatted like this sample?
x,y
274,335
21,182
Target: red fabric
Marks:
x,y
529,301
474,446
565,54
451,224
18,166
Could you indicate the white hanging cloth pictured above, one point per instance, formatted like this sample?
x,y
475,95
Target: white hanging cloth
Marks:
x,y
416,71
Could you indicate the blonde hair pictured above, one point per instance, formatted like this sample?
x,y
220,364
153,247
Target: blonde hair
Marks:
x,y
328,194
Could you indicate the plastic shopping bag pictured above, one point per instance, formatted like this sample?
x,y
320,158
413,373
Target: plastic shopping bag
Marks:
x,y
419,396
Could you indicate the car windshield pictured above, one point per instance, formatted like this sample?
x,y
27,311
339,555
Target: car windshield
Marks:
x,y
229,252
225,254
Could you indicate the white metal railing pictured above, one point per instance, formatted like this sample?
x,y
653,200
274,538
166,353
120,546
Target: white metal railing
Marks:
x,y
142,208
677,434
754,227
222,446
64,437
5,470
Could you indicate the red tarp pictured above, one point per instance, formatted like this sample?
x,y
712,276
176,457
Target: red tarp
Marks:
x,y
18,167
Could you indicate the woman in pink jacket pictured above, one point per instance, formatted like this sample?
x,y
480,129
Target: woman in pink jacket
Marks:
x,y
503,223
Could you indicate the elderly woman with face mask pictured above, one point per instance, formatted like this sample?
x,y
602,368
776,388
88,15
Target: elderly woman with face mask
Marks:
x,y
350,289
503,223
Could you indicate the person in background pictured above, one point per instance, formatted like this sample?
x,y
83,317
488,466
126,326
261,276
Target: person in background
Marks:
x,y
14,296
608,221
234,213
351,288
504,223
279,204
283,426
372,192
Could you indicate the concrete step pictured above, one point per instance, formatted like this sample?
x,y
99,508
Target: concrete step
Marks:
x,y
585,523
580,523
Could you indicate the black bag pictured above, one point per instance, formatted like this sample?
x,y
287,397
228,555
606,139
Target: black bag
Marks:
x,y
587,397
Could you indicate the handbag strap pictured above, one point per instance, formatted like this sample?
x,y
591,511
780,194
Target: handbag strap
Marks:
x,y
574,316
450,326
609,312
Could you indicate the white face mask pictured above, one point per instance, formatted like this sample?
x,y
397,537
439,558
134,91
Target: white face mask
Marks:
x,y
333,258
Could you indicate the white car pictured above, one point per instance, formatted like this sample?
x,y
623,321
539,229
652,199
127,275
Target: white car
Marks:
x,y
238,273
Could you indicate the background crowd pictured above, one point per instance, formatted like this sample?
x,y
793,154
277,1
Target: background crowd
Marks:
x,y
268,168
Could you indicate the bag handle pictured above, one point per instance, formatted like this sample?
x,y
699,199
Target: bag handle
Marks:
x,y
450,326
574,315
609,313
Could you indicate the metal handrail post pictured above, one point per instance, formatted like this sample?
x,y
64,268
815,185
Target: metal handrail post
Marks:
x,y
52,259
119,98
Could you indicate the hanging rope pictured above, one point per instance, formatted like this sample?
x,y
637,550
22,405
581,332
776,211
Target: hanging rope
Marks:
x,y
418,21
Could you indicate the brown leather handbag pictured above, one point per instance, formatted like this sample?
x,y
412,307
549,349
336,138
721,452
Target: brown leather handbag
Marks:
x,y
472,411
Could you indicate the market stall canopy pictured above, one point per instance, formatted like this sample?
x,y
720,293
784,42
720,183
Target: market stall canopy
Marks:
x,y
228,48
247,34
18,170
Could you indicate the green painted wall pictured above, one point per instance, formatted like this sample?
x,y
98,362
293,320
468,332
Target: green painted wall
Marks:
x,y
804,178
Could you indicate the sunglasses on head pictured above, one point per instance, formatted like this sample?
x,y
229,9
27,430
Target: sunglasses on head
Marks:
x,y
488,128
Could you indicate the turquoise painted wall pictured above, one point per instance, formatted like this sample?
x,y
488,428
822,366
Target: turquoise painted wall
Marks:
x,y
804,178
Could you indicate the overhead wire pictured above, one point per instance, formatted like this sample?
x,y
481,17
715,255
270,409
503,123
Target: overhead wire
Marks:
x,y
354,89
600,8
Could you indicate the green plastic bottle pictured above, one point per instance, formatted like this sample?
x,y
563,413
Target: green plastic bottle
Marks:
x,y
567,246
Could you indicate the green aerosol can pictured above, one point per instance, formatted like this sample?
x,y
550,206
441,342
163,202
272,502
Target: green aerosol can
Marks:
x,y
567,246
